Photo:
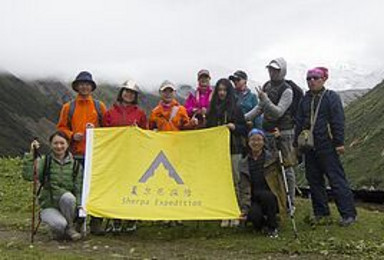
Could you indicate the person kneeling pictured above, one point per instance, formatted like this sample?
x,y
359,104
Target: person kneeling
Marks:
x,y
262,194
60,181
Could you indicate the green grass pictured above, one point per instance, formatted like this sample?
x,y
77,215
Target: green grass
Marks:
x,y
364,157
194,240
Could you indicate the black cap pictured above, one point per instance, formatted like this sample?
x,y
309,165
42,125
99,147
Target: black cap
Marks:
x,y
83,76
238,75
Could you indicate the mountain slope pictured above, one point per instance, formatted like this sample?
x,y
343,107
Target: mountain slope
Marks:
x,y
31,109
364,159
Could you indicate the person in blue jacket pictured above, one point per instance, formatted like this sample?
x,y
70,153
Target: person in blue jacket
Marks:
x,y
246,100
323,158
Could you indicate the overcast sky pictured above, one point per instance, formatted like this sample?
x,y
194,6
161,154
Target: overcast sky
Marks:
x,y
150,41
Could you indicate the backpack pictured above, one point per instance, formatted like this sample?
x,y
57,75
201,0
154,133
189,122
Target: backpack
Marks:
x,y
72,107
298,94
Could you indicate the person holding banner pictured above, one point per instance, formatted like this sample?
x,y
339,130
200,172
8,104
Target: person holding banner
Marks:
x,y
262,194
169,115
224,111
60,178
197,104
126,112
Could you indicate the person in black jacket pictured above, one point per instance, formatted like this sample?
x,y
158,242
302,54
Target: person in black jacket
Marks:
x,y
323,159
224,111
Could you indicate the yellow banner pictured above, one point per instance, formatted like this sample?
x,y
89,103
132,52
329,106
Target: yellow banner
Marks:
x,y
132,173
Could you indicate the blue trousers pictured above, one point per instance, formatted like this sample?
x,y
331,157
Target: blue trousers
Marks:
x,y
319,164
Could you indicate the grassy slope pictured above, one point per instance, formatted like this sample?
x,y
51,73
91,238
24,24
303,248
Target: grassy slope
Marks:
x,y
364,159
193,241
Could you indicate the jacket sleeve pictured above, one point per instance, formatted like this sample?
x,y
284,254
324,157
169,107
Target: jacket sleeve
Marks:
x,y
78,185
103,108
190,104
185,123
299,119
278,110
336,120
244,193
253,113
152,121
27,167
143,124
107,119
62,125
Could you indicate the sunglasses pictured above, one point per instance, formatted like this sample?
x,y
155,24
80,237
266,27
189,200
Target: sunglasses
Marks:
x,y
313,78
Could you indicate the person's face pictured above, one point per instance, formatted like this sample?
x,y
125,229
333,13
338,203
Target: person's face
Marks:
x,y
222,92
84,88
167,95
273,73
256,143
59,146
128,96
240,83
204,81
315,83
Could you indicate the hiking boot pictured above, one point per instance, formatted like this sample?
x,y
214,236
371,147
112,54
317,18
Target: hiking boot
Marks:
x,y
234,223
79,226
321,221
345,222
130,226
225,223
272,233
72,233
170,223
95,226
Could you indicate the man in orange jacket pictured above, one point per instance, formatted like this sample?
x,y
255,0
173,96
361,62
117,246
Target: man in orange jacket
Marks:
x,y
78,115
169,115
81,113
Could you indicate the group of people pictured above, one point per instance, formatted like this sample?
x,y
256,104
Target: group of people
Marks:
x,y
278,118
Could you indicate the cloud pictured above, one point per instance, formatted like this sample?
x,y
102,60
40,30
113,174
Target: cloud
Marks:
x,y
168,39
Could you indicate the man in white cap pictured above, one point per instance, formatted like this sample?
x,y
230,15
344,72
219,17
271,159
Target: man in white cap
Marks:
x,y
276,99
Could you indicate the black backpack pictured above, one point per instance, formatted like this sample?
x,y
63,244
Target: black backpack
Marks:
x,y
298,94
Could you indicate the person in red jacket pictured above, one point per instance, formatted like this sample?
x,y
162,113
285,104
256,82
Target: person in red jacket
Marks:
x,y
126,112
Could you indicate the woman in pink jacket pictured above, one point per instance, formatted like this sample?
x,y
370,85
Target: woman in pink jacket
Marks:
x,y
197,104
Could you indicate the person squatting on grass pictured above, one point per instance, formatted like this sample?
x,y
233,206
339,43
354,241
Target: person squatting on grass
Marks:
x,y
262,194
60,177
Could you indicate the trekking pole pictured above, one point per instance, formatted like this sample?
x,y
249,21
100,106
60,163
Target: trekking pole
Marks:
x,y
289,199
36,155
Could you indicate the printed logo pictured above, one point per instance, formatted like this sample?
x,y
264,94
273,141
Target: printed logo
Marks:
x,y
161,158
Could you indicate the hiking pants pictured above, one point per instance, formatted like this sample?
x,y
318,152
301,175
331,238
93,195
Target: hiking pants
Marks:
x,y
235,158
263,210
59,219
319,164
289,157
